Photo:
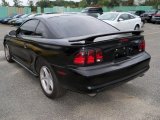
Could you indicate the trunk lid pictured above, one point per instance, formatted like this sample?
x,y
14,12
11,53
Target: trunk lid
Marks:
x,y
118,48
115,48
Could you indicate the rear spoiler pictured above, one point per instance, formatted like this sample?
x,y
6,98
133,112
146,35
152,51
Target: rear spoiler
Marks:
x,y
93,37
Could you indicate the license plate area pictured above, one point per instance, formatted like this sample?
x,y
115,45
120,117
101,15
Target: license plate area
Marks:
x,y
121,53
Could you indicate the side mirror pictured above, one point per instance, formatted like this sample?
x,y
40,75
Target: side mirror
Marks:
x,y
120,19
12,33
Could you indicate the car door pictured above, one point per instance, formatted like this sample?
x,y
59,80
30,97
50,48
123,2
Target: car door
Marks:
x,y
123,22
20,45
133,21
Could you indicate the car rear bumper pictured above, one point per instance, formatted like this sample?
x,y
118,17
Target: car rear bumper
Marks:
x,y
98,78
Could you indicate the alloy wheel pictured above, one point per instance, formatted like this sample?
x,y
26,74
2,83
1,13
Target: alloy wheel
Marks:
x,y
46,80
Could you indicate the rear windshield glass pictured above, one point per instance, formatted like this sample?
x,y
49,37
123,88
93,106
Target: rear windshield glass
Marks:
x,y
108,16
75,26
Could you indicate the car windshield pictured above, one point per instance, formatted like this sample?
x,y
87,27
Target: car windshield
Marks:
x,y
24,16
108,16
84,10
15,16
32,15
78,25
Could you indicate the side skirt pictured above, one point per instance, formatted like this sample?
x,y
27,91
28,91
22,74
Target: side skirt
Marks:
x,y
25,67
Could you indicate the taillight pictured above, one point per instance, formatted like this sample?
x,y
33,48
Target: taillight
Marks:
x,y
142,46
80,58
99,55
88,57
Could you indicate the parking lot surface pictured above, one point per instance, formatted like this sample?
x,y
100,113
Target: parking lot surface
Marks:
x,y
21,97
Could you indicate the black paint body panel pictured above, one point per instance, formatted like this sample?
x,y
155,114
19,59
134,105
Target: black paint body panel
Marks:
x,y
59,53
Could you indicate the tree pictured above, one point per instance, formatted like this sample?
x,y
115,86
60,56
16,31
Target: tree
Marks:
x,y
43,4
91,2
103,2
154,3
113,3
5,3
17,3
31,5
83,3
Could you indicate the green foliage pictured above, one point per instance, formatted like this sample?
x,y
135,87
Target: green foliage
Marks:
x,y
43,4
127,3
114,3
154,3
31,5
87,3
5,3
47,3
103,2
83,4
17,3
92,2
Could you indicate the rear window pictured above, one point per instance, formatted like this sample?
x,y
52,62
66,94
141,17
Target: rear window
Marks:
x,y
92,10
108,16
74,26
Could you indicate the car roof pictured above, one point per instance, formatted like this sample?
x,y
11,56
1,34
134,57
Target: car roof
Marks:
x,y
119,12
47,16
92,7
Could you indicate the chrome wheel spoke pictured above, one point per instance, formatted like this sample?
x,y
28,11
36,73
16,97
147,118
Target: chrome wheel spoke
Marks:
x,y
46,80
49,89
46,73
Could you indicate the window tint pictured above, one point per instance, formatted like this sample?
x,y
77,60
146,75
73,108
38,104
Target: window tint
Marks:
x,y
108,16
92,10
131,16
124,17
41,30
76,25
95,10
29,27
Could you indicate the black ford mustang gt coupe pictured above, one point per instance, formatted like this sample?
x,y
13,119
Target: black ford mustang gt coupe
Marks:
x,y
77,53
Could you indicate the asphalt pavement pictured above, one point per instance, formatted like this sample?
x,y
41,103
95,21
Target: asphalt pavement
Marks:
x,y
21,97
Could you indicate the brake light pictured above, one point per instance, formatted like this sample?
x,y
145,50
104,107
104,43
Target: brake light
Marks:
x,y
80,58
142,46
88,57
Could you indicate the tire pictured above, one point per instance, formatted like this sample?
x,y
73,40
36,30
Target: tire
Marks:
x,y
137,27
49,82
7,52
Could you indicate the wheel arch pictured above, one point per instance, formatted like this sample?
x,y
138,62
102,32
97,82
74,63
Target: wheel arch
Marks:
x,y
37,63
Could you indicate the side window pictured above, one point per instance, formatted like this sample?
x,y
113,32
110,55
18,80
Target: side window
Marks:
x,y
41,30
124,17
131,16
29,27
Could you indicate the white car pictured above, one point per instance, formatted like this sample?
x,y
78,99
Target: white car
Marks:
x,y
122,20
